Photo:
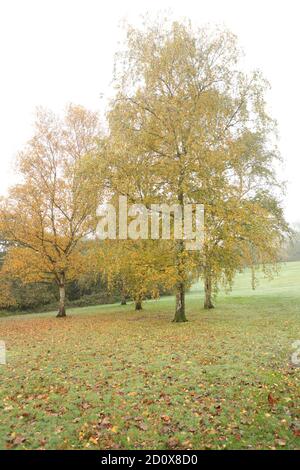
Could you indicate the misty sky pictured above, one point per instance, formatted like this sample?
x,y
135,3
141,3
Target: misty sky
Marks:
x,y
53,52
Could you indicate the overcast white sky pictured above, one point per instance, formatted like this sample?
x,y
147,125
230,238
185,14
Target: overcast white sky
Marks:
x,y
57,51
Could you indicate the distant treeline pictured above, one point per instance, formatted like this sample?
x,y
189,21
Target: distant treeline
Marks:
x,y
91,290
292,249
87,290
42,297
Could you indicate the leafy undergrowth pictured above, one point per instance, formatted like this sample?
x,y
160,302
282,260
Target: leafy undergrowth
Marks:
x,y
111,378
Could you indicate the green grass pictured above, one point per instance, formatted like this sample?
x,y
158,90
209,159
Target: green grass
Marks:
x,y
109,377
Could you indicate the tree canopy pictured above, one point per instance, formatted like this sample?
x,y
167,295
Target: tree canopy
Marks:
x,y
186,126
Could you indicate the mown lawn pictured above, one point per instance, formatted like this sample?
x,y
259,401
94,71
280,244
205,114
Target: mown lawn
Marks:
x,y
108,377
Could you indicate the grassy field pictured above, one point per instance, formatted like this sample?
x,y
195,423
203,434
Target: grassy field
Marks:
x,y
108,377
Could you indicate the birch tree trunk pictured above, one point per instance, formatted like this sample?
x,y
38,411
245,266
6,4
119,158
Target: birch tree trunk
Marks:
x,y
62,296
208,304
